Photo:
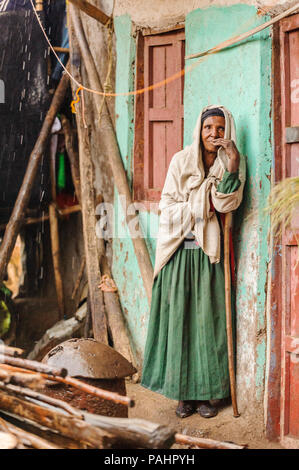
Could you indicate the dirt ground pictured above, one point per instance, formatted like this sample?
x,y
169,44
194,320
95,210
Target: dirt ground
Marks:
x,y
223,427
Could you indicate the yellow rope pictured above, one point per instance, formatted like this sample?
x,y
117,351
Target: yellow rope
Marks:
x,y
76,100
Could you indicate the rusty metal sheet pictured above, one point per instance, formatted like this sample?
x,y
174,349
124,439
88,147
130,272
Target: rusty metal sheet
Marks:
x,y
86,357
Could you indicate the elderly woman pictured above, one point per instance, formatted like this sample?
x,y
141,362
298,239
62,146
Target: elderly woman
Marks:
x,y
186,349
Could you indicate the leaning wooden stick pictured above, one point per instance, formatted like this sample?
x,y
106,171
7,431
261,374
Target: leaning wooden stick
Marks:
x,y
55,248
11,351
32,365
228,310
72,154
204,443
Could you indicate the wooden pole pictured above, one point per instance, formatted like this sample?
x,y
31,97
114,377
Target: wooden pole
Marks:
x,y
204,443
111,300
36,220
93,272
55,248
97,306
228,310
73,155
110,148
136,433
15,222
91,10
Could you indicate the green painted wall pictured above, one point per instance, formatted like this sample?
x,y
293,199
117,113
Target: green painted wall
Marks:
x,y
238,78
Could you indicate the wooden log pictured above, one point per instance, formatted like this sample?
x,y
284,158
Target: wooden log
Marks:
x,y
49,435
91,11
52,165
11,351
204,443
79,278
110,148
55,249
26,437
134,432
8,441
65,425
72,154
32,365
26,392
98,392
117,326
33,381
15,222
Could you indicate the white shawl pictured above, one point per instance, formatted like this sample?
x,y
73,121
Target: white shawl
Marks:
x,y
185,199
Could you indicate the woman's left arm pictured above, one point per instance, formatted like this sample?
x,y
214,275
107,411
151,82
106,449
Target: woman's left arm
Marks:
x,y
227,195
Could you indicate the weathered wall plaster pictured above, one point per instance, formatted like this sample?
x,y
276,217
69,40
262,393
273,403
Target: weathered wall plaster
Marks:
x,y
161,13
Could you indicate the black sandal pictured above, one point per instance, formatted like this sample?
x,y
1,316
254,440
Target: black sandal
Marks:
x,y
185,408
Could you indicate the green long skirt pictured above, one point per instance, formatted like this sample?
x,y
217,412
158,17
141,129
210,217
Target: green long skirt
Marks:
x,y
186,349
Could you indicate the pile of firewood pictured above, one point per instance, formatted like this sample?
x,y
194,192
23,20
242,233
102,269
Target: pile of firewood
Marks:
x,y
31,419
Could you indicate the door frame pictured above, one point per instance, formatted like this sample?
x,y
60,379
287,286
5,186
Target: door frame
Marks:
x,y
275,400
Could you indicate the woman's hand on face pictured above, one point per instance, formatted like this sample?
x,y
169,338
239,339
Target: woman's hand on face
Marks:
x,y
232,153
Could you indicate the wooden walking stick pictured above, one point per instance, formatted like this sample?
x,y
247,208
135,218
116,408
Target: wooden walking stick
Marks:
x,y
228,310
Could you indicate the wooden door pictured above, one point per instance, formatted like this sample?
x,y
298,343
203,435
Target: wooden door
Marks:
x,y
289,409
163,108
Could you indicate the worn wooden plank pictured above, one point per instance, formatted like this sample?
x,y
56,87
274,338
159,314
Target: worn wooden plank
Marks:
x,y
70,427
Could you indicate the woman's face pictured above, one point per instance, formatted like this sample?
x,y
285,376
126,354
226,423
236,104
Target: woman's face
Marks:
x,y
212,128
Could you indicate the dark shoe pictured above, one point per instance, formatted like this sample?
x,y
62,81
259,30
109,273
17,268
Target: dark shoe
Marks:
x,y
185,408
206,410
